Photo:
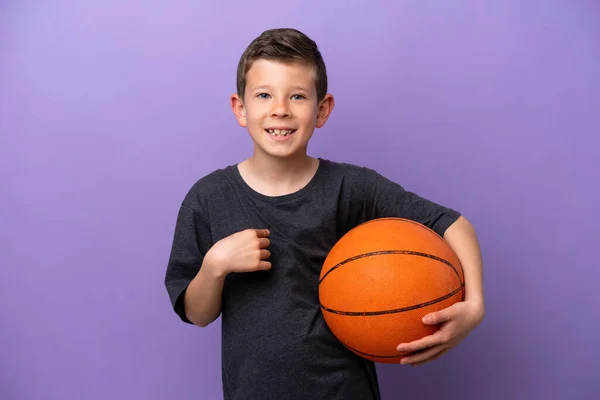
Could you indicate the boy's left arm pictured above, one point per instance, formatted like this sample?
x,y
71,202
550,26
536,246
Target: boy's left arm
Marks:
x,y
458,320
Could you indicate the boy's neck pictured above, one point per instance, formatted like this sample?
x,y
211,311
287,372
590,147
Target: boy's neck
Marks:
x,y
278,176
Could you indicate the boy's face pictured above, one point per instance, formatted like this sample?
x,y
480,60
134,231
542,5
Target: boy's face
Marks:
x,y
280,107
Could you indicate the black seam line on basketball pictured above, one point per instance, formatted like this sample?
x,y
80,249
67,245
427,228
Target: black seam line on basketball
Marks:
x,y
394,311
410,221
386,252
371,355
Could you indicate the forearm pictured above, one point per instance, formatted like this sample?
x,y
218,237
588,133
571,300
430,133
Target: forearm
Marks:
x,y
462,239
202,299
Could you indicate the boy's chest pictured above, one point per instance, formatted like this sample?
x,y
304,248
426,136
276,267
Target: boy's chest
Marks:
x,y
305,222
302,234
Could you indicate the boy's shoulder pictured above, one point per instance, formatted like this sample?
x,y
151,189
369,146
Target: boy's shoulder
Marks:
x,y
213,184
213,180
348,171
342,166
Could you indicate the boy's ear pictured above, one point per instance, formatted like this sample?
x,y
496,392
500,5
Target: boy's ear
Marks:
x,y
325,108
237,106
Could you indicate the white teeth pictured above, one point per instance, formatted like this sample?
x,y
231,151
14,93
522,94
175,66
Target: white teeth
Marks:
x,y
279,132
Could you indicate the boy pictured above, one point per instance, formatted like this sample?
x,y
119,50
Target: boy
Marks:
x,y
251,238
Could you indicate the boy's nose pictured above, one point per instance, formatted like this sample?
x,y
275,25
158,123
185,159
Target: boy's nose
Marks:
x,y
280,109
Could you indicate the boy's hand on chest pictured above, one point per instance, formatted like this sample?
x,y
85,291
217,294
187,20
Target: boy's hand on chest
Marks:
x,y
244,251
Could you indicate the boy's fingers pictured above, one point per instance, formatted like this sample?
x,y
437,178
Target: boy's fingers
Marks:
x,y
264,243
262,233
427,341
436,317
423,356
264,254
265,265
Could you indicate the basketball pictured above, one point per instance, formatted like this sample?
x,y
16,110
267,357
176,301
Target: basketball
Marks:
x,y
380,279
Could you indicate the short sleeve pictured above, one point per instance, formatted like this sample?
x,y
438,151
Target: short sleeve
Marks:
x,y
389,199
187,255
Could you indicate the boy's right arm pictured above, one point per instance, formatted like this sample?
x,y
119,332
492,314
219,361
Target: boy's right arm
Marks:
x,y
244,251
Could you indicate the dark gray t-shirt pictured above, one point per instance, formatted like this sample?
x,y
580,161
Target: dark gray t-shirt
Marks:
x,y
276,344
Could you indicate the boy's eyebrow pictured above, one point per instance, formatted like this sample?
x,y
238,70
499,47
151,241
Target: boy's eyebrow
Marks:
x,y
262,87
300,88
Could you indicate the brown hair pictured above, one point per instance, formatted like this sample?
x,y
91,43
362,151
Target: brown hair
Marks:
x,y
284,45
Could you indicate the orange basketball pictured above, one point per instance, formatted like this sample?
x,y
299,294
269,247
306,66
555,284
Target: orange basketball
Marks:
x,y
380,279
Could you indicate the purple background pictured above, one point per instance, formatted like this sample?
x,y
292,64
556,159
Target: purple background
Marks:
x,y
110,110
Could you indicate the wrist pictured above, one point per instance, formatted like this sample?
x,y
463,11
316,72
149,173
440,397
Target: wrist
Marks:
x,y
214,267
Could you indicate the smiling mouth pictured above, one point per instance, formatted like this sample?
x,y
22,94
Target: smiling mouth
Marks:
x,y
280,132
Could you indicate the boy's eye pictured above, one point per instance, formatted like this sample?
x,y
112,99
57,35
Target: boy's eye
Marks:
x,y
263,96
298,97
